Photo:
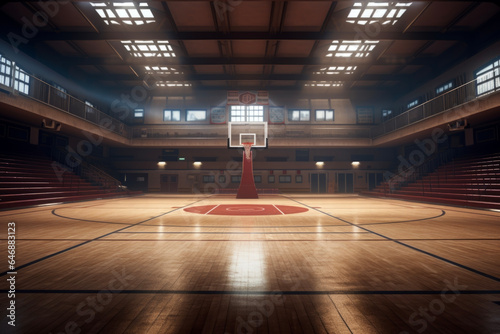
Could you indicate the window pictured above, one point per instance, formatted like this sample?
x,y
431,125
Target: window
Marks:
x,y
60,91
444,88
89,107
196,115
138,48
285,179
346,49
385,13
412,104
257,178
488,78
208,179
324,114
22,81
130,13
247,113
222,178
139,113
270,179
235,178
171,115
386,113
300,115
298,178
5,71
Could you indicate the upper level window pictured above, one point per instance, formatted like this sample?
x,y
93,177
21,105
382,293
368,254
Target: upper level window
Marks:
x,y
89,107
196,115
412,104
300,115
171,115
139,113
324,114
488,78
386,113
22,81
5,71
60,91
247,113
447,86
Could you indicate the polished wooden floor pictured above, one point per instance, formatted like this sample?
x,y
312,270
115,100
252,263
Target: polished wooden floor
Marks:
x,y
348,265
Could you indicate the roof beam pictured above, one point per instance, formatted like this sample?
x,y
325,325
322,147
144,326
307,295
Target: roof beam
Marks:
x,y
306,61
491,1
259,77
243,35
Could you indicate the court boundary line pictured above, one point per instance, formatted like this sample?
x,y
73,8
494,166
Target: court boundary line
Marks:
x,y
258,292
459,265
96,238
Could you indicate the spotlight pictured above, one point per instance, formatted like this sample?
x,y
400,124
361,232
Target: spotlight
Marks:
x,y
162,163
197,163
355,163
320,163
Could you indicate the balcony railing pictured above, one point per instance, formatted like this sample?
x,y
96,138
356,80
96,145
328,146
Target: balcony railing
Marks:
x,y
43,92
451,99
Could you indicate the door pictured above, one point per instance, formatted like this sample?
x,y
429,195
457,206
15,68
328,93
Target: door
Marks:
x,y
319,183
345,183
374,179
169,183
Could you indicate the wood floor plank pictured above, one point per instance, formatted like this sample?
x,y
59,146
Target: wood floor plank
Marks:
x,y
347,265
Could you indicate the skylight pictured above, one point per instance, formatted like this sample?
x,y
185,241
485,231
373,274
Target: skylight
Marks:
x,y
149,48
161,70
172,84
347,49
131,13
386,13
324,84
337,70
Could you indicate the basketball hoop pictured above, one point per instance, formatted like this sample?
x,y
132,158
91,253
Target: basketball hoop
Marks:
x,y
247,147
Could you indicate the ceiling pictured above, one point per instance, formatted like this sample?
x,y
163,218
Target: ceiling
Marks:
x,y
234,44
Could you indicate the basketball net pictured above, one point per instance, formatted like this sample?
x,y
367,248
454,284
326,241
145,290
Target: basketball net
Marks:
x,y
247,147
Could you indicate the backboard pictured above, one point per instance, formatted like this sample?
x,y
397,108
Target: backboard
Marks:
x,y
247,132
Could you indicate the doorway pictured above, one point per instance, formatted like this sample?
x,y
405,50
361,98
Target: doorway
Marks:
x,y
374,179
319,183
169,183
345,183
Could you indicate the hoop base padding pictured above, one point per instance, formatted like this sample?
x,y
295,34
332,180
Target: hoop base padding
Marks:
x,y
247,187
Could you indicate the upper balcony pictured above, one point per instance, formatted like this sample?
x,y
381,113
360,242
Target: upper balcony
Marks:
x,y
25,94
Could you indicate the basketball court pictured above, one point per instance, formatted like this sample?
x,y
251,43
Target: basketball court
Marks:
x,y
291,264
244,167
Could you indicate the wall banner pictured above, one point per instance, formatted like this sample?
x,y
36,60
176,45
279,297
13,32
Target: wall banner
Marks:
x,y
260,97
